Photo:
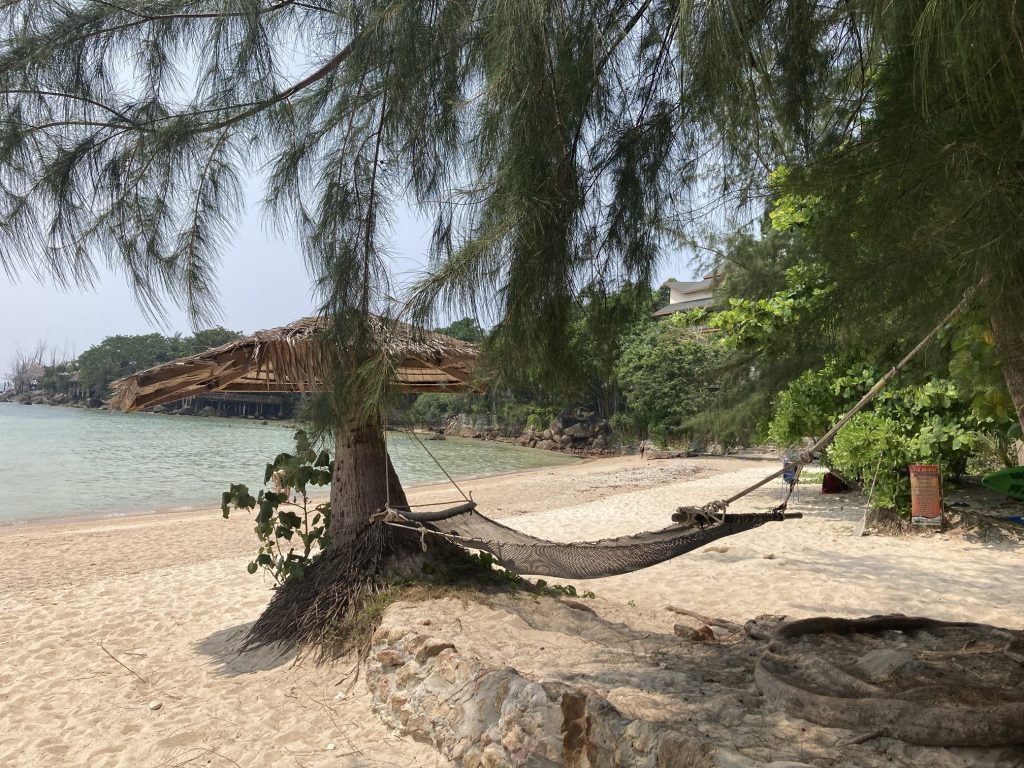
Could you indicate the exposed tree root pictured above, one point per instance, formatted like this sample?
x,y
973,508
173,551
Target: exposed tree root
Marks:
x,y
337,605
307,611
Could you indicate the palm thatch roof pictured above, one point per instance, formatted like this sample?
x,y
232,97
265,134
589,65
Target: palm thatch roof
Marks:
x,y
294,358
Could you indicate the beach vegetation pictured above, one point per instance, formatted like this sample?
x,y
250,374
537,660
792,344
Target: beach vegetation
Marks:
x,y
667,374
286,516
939,421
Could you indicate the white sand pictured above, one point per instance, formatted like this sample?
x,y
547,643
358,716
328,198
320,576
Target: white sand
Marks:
x,y
168,597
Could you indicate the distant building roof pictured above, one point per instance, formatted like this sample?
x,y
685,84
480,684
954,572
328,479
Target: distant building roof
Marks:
x,y
696,294
684,306
707,284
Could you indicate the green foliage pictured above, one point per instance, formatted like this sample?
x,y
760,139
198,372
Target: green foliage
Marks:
x,y
896,133
280,521
975,364
661,297
667,375
58,378
465,329
934,422
517,416
813,402
790,211
929,423
752,322
561,590
873,450
435,409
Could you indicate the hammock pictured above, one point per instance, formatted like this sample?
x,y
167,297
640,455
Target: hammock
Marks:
x,y
522,553
695,526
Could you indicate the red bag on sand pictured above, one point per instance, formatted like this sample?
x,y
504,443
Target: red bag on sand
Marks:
x,y
831,483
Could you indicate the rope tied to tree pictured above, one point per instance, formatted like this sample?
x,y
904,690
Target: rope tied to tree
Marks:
x,y
396,517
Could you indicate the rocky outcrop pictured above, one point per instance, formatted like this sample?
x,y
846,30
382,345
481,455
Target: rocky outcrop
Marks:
x,y
591,684
583,437
486,717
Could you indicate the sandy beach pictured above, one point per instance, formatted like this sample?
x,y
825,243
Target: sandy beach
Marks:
x,y
117,636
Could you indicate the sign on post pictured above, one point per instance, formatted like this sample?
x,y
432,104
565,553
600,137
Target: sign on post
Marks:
x,y
925,494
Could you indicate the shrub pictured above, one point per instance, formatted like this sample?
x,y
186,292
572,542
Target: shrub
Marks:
x,y
923,424
280,521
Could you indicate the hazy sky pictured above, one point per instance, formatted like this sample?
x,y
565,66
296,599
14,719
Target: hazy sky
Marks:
x,y
263,279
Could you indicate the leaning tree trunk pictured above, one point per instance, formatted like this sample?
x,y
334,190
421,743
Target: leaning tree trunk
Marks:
x,y
1010,344
364,480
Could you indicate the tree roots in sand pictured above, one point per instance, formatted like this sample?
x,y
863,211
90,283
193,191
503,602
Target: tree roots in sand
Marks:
x,y
338,603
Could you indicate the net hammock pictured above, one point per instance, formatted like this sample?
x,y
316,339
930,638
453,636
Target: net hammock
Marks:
x,y
694,526
522,553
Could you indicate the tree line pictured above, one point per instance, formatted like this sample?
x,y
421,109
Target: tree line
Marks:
x,y
89,375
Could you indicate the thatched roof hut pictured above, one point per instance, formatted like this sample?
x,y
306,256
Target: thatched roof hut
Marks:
x,y
293,358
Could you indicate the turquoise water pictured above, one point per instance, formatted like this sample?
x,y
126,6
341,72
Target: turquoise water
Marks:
x,y
61,462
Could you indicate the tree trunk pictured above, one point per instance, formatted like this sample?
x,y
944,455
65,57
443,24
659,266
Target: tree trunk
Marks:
x,y
364,481
1010,345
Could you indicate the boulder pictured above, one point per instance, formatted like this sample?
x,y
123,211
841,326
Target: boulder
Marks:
x,y
578,431
547,445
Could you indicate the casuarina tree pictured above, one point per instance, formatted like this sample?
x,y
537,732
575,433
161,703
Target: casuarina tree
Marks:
x,y
545,140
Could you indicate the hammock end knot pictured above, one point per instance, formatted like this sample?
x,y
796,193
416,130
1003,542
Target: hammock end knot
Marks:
x,y
711,513
387,515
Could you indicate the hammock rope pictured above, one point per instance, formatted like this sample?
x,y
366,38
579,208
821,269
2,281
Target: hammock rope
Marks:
x,y
693,526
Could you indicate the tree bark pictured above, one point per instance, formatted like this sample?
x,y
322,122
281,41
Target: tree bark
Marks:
x,y
1010,344
363,482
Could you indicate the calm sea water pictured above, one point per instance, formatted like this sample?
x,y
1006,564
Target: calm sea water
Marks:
x,y
60,462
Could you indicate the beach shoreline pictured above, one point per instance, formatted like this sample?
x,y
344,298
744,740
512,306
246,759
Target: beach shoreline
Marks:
x,y
205,510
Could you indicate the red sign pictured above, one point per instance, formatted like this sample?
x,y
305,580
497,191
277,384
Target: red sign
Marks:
x,y
925,494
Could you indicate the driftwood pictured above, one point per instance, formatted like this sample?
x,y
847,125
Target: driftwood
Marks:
x,y
732,626
945,683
